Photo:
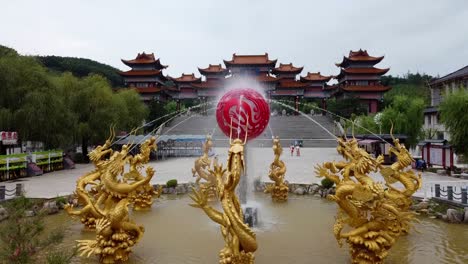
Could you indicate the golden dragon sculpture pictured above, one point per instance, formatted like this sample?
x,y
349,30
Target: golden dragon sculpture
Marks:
x,y
376,215
201,171
240,240
279,189
142,197
105,195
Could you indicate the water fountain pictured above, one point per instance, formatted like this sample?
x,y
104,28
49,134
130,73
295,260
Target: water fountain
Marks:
x,y
300,222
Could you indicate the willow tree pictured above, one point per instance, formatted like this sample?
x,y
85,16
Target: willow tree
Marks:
x,y
454,116
406,116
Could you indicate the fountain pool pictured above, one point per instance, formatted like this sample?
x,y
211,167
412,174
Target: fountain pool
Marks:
x,y
299,231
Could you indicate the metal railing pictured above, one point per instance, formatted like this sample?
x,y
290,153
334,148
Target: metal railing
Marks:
x,y
6,193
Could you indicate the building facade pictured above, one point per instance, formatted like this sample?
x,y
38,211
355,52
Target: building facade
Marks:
x,y
357,77
440,87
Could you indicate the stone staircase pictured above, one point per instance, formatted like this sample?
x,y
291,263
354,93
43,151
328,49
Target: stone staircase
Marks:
x,y
288,128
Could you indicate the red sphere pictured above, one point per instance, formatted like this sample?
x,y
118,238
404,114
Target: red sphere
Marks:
x,y
244,107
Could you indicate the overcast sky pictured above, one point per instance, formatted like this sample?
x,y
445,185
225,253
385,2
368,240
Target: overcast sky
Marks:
x,y
417,36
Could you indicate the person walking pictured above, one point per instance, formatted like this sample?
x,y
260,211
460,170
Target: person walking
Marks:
x,y
292,149
298,151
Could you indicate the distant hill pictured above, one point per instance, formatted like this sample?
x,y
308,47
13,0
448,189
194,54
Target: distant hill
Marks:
x,y
81,67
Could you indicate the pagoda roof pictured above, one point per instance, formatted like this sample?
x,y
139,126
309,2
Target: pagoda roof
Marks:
x,y
213,68
147,89
186,78
314,77
358,56
209,84
266,78
288,83
287,68
145,59
141,73
366,88
250,60
369,70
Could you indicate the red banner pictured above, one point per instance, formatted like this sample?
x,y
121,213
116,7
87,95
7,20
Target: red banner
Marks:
x,y
9,138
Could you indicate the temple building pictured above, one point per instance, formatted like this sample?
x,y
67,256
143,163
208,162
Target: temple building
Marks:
x,y
146,76
359,78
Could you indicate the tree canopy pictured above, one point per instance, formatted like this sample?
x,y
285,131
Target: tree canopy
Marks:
x,y
62,110
81,67
453,113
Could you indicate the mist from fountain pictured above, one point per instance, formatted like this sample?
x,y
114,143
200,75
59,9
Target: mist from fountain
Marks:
x,y
245,189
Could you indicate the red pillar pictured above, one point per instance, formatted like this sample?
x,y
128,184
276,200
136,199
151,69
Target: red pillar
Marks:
x,y
451,158
324,106
443,158
428,161
372,106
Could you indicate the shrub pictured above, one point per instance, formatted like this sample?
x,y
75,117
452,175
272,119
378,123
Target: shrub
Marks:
x,y
21,237
327,183
171,183
61,200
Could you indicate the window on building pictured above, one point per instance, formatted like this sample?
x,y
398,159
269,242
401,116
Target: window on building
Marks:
x,y
141,85
429,120
365,83
440,135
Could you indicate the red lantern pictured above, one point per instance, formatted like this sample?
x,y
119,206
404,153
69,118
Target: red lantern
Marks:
x,y
244,107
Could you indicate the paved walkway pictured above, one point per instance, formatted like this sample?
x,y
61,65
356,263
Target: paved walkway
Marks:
x,y
299,170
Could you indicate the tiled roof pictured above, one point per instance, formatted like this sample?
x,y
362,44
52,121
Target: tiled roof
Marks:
x,y
187,78
315,76
370,70
213,68
461,73
141,73
143,58
366,88
291,84
287,68
250,59
360,55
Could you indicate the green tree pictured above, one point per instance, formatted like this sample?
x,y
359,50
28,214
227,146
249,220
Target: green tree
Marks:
x,y
156,110
453,113
412,85
95,110
81,67
134,111
346,107
406,115
170,107
365,125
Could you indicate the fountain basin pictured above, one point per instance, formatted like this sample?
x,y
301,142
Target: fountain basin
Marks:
x,y
299,231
